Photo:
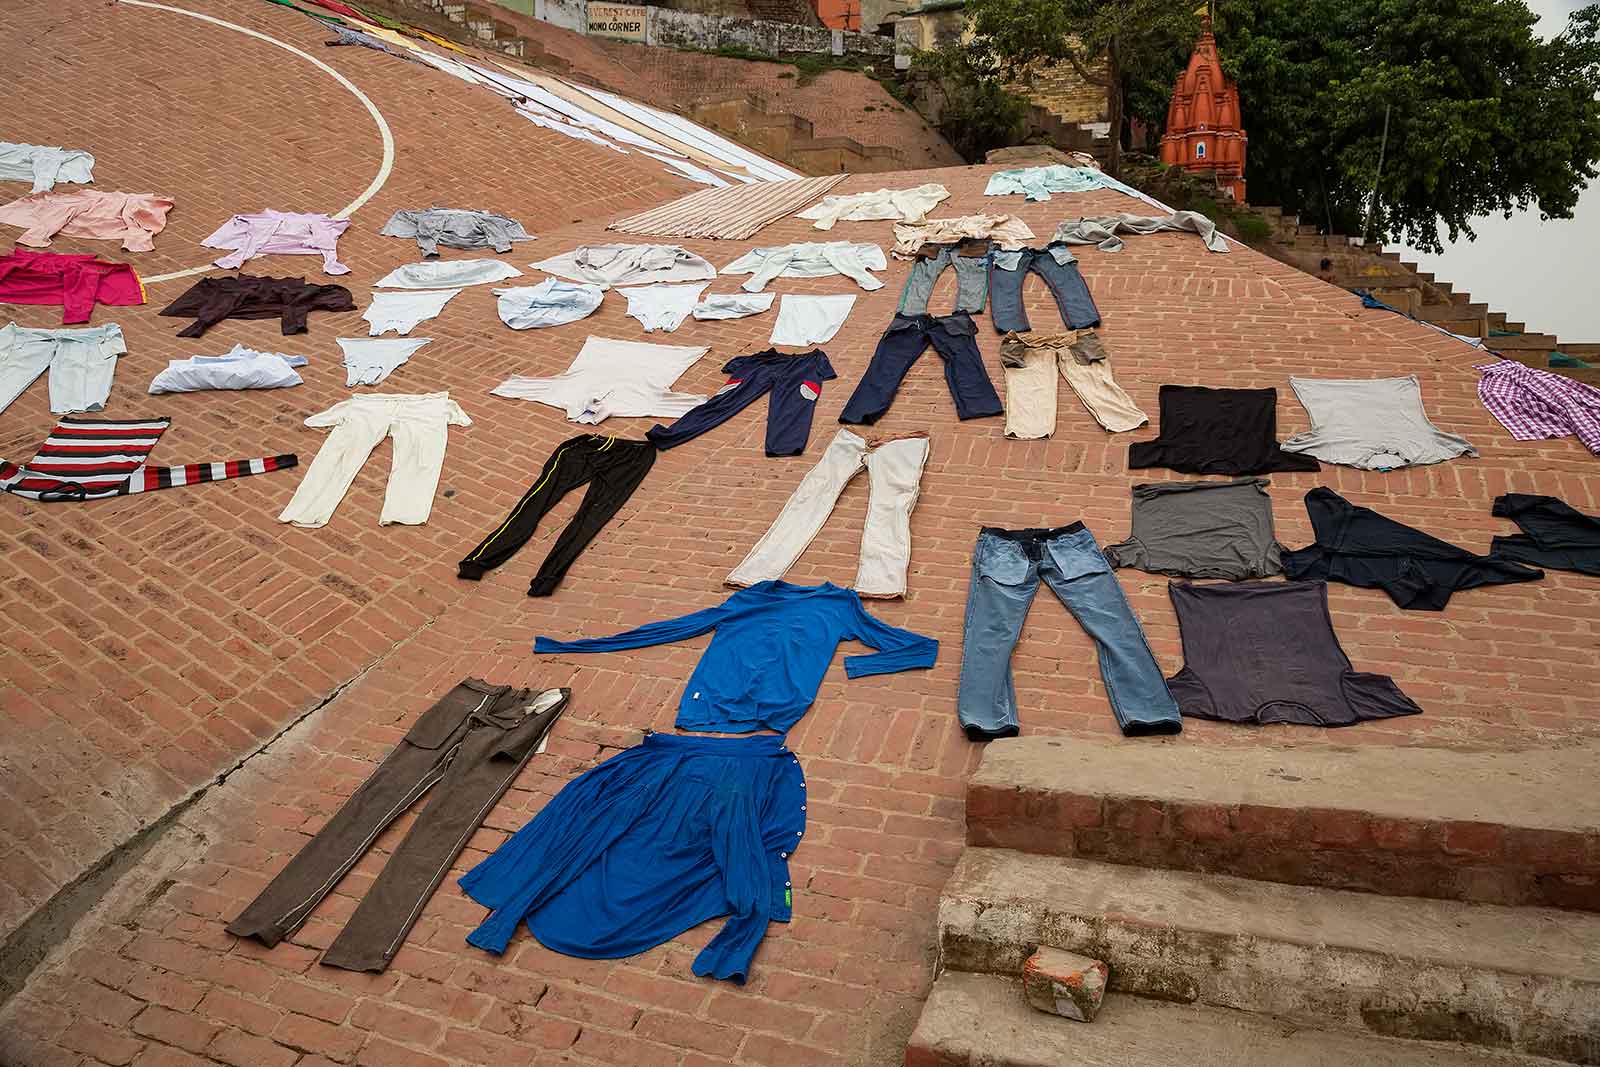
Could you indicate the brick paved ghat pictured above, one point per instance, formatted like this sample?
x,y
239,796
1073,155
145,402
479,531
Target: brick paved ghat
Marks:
x,y
155,642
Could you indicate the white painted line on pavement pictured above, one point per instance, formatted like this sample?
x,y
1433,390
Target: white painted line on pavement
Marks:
x,y
372,109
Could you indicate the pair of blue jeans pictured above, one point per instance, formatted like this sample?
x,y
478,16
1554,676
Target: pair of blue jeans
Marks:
x,y
1059,268
1006,568
954,337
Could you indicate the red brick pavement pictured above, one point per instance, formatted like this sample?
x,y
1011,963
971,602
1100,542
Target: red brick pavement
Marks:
x,y
158,640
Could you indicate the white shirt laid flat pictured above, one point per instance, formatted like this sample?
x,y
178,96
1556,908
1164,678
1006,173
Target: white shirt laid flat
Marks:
x,y
662,307
810,260
552,302
447,273
629,379
240,368
368,362
810,320
420,426
400,312
608,265
733,305
44,165
904,205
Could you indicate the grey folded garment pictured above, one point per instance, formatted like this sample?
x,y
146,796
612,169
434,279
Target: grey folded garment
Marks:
x,y
455,228
1102,231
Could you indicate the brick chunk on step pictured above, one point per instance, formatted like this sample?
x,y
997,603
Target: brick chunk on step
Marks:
x,y
1064,983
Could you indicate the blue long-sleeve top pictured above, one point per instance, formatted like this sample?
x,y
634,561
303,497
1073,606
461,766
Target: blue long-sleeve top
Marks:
x,y
772,646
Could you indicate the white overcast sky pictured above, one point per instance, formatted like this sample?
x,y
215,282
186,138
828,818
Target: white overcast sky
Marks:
x,y
1543,273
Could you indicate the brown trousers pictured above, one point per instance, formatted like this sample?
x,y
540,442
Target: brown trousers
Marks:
x,y
468,748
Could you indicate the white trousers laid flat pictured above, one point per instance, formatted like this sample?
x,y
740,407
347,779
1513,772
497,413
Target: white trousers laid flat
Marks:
x,y
894,470
81,362
419,425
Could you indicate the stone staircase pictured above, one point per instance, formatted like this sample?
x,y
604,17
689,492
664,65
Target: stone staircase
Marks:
x,y
1279,907
1406,286
792,138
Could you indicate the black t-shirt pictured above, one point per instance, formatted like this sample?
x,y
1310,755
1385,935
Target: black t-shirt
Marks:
x,y
1218,431
1360,547
1554,534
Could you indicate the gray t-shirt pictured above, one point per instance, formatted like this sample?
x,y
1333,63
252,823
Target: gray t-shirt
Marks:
x,y
1265,652
1201,530
1373,423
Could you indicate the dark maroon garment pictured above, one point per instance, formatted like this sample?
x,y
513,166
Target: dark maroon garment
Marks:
x,y
246,296
1265,652
1218,431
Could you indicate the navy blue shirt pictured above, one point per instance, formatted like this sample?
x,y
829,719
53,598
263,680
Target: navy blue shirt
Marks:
x,y
772,647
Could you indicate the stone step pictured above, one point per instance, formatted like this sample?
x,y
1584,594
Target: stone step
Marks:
x,y
1455,312
979,1020
1499,827
1539,342
1519,979
1583,350
1306,230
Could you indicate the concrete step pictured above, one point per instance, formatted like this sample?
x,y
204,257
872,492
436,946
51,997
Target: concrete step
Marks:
x,y
1539,342
978,1020
1583,351
1455,312
1497,827
1519,979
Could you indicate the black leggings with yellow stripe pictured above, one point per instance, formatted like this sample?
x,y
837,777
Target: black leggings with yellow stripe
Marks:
x,y
612,468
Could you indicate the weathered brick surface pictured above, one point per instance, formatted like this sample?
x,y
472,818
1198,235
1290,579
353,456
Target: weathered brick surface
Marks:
x,y
155,641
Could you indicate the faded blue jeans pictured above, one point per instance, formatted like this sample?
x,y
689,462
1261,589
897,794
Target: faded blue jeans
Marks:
x,y
1006,568
1059,269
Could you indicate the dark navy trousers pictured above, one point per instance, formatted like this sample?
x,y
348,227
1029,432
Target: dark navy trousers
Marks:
x,y
1009,270
794,382
954,337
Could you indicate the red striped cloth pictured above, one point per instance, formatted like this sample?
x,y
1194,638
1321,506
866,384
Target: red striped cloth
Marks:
x,y
85,458
731,213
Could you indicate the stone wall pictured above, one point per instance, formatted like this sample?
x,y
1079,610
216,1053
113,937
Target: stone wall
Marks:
x,y
682,29
1064,92
704,29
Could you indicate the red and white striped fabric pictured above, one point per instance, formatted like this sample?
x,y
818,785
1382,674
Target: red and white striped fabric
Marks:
x,y
85,458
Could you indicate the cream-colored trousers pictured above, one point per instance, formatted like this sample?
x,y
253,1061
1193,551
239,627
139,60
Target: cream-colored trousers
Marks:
x,y
894,471
1030,362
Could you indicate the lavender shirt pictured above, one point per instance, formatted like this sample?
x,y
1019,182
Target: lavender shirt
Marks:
x,y
284,233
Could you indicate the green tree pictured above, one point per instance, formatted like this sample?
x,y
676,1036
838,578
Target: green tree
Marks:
x,y
1483,116
1133,48
976,113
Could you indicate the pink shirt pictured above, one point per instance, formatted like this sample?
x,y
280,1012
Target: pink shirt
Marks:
x,y
280,233
77,283
132,218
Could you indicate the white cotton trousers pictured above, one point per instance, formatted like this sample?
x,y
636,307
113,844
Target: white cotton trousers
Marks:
x,y
81,362
894,471
419,425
